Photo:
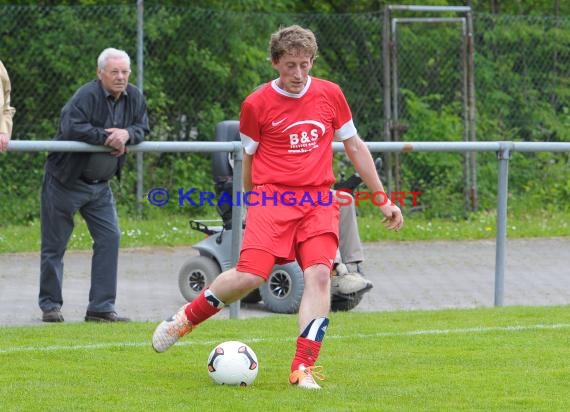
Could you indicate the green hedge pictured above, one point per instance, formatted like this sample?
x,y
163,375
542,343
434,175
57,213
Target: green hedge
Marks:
x,y
200,63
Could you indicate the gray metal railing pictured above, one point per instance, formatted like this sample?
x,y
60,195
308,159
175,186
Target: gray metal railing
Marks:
x,y
503,150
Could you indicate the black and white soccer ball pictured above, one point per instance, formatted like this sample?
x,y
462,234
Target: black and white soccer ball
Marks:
x,y
233,363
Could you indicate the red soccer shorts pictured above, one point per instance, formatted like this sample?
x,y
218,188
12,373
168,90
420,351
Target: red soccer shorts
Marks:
x,y
284,224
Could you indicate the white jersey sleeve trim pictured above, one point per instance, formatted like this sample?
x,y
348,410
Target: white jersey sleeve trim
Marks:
x,y
249,145
345,132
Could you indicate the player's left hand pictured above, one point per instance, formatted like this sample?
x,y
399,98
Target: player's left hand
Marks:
x,y
393,218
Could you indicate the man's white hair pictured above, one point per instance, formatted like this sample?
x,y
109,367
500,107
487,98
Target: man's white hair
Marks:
x,y
110,53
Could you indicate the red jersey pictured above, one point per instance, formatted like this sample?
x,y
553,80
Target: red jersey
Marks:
x,y
290,135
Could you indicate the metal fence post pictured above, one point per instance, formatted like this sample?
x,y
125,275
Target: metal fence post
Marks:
x,y
140,84
503,156
236,217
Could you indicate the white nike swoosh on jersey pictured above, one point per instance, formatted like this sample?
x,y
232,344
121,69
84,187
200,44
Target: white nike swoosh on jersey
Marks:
x,y
278,123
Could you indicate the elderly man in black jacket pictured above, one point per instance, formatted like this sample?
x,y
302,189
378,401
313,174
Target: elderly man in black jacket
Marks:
x,y
107,111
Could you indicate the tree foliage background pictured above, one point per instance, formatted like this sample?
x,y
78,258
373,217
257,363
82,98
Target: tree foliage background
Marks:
x,y
201,60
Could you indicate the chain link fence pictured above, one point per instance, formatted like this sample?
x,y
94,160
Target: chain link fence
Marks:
x,y
428,74
197,65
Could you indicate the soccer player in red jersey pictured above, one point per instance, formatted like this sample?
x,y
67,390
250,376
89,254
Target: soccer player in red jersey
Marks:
x,y
287,127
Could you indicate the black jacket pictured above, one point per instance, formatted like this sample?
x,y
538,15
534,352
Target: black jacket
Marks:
x,y
84,118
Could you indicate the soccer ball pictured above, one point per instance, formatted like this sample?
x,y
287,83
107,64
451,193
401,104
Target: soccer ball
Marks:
x,y
233,363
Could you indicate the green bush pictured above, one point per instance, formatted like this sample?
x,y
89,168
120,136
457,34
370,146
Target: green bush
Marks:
x,y
201,61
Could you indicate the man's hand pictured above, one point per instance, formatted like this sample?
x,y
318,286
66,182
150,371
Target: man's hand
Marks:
x,y
4,139
117,139
393,219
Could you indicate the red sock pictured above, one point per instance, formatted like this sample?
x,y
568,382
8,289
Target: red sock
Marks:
x,y
202,308
307,353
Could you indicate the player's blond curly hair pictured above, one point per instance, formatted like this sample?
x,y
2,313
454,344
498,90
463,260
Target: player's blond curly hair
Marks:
x,y
293,40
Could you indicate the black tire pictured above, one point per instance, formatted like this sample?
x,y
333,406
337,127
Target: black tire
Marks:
x,y
195,275
344,303
283,290
253,297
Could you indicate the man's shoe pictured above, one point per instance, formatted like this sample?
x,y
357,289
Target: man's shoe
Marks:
x,y
52,316
170,330
355,268
346,282
305,377
104,317
350,283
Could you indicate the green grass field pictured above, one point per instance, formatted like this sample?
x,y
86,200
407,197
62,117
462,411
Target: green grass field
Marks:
x,y
174,230
490,359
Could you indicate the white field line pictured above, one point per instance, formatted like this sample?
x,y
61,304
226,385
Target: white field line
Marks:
x,y
189,342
